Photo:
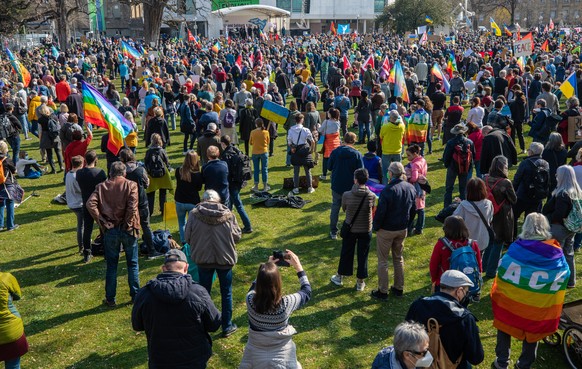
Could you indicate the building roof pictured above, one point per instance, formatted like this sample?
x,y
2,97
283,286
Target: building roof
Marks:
x,y
270,11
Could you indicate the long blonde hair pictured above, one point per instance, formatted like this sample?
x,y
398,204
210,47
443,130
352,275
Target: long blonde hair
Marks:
x,y
191,165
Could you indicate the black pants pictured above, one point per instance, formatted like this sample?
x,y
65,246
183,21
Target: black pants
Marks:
x,y
300,105
49,157
346,264
152,199
87,229
271,146
246,142
146,235
518,129
343,126
192,138
524,206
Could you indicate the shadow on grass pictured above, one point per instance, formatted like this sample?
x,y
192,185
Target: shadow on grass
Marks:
x,y
36,260
34,216
38,326
127,360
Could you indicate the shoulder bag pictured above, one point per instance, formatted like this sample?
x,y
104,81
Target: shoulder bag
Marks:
x,y
489,229
346,229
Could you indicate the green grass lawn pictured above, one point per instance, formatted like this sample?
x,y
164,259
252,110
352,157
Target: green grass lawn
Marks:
x,y
67,327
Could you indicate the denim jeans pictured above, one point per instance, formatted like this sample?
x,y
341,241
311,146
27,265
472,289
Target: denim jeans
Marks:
x,y
182,209
14,143
566,240
172,119
420,217
112,240
237,203
9,205
386,160
23,119
336,204
263,159
87,228
225,279
12,364
34,128
288,157
344,125
296,169
363,128
491,257
79,214
452,176
428,139
346,263
503,346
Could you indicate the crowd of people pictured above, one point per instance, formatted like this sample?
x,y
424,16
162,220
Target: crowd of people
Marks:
x,y
331,85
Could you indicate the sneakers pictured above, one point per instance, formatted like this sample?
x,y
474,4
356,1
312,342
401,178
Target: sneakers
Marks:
x,y
417,232
379,295
333,236
396,292
266,187
247,230
229,331
310,190
293,192
337,280
255,188
323,178
155,255
87,256
110,304
13,228
360,286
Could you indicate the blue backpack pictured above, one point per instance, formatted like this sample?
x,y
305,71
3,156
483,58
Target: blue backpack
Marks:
x,y
464,260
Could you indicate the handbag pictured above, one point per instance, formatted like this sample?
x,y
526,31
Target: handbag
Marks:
x,y
489,229
346,229
300,153
12,191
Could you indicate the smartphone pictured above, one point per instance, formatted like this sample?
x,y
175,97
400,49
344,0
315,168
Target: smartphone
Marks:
x,y
281,256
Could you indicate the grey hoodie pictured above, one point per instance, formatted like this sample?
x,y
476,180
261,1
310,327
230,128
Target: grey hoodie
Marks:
x,y
477,230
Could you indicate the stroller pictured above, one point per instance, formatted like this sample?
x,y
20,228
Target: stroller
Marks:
x,y
571,340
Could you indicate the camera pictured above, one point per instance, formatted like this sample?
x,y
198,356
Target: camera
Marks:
x,y
281,256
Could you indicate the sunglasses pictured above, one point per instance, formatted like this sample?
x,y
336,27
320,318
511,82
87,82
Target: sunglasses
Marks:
x,y
423,353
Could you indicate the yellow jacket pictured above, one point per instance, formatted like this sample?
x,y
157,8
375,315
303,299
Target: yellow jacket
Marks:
x,y
34,103
391,137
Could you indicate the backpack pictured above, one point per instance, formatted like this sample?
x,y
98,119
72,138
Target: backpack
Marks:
x,y
435,347
538,188
156,167
6,127
54,128
228,120
496,206
573,222
239,167
19,106
311,94
464,260
552,121
463,157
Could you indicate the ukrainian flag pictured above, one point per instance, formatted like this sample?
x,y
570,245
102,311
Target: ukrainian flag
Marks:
x,y
495,27
428,19
274,112
569,87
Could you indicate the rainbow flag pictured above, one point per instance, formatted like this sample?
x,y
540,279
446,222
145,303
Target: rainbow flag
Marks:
x,y
417,128
100,112
399,83
451,64
438,73
129,51
392,75
216,47
19,69
529,289
521,63
570,86
274,112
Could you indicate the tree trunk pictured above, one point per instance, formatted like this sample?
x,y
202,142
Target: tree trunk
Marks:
x,y
152,15
62,25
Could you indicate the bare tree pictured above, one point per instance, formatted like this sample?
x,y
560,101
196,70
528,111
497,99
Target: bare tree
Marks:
x,y
490,5
11,21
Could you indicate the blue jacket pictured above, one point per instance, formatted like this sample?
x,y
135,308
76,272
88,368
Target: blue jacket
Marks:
x,y
343,162
539,130
215,177
395,206
343,104
148,100
386,359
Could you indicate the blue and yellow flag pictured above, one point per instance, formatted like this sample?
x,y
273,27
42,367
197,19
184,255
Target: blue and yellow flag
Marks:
x,y
428,19
569,87
274,112
495,27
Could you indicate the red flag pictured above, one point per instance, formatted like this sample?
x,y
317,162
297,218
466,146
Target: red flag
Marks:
x,y
333,29
386,66
529,37
346,62
369,61
238,62
546,46
260,58
190,36
551,24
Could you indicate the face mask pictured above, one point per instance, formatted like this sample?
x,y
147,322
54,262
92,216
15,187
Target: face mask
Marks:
x,y
464,301
424,362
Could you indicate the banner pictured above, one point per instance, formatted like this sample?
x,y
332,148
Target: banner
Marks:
x,y
221,4
522,48
574,129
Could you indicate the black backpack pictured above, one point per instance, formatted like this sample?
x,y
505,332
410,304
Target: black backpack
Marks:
x,y
54,128
239,166
539,186
156,167
19,106
6,127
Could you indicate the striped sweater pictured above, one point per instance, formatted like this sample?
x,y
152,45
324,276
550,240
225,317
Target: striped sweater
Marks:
x,y
278,319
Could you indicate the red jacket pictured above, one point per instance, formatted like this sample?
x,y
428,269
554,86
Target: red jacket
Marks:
x,y
63,90
439,260
76,148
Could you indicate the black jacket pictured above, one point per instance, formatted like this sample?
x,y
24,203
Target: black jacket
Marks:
x,y
497,142
395,206
525,175
160,126
458,326
176,314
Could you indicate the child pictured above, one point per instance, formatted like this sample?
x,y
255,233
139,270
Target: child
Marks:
x,y
27,167
131,139
373,163
74,199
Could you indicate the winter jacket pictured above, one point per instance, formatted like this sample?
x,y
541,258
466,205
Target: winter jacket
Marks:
x,y
539,131
160,126
270,350
459,332
477,229
395,206
246,121
450,150
212,233
391,135
343,162
176,314
216,177
417,167
525,175
502,190
497,142
209,138
557,208
351,201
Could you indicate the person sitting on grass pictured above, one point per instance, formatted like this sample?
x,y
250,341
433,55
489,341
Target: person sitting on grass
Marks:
x,y
27,167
